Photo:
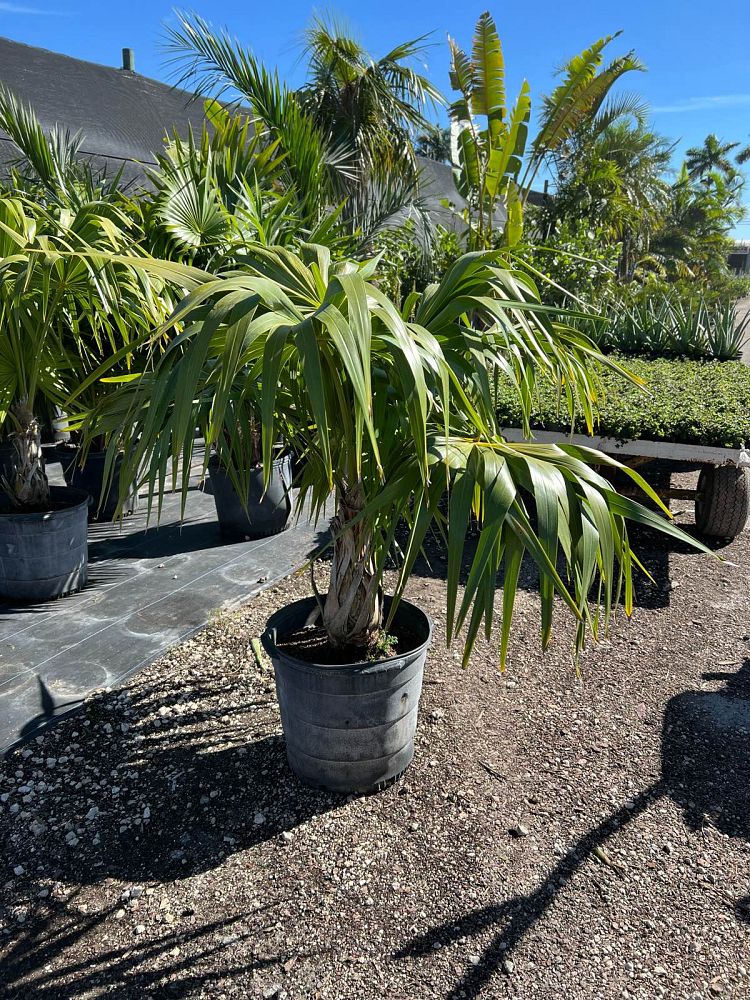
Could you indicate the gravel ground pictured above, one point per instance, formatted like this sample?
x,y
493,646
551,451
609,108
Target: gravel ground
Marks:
x,y
556,836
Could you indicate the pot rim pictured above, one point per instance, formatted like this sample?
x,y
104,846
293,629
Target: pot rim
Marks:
x,y
74,446
78,498
268,639
215,462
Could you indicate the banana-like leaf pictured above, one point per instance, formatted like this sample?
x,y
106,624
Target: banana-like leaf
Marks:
x,y
488,88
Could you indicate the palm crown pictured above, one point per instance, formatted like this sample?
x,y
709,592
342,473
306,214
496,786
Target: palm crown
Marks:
x,y
65,305
711,157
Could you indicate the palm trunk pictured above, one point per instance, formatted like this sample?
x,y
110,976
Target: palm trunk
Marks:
x,y
352,613
25,483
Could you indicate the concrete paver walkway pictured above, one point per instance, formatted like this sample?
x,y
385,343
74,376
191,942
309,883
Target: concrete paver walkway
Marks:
x,y
147,590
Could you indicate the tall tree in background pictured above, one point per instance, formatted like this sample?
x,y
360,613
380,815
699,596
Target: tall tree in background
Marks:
x,y
712,157
435,144
743,155
693,239
373,108
347,135
613,177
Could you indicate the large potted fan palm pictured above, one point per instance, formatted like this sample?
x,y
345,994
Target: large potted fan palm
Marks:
x,y
42,528
395,415
63,308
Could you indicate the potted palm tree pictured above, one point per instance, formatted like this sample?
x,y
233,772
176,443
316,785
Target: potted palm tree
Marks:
x,y
395,415
42,528
393,409
72,205
63,307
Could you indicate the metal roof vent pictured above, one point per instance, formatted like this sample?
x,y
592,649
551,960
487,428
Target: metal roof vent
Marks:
x,y
128,60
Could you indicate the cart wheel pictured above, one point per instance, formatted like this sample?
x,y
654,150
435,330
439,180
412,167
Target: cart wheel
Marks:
x,y
723,502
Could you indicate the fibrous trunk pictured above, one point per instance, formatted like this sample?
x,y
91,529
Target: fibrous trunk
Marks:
x,y
352,613
25,482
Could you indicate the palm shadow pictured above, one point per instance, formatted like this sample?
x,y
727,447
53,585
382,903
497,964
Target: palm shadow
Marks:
x,y
157,967
207,801
705,756
50,710
192,794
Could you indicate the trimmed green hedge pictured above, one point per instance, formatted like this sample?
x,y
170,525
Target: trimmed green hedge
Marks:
x,y
692,402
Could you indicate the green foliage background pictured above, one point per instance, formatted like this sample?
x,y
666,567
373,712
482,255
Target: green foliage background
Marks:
x,y
693,402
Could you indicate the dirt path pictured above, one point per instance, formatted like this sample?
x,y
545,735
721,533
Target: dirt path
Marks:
x,y
556,837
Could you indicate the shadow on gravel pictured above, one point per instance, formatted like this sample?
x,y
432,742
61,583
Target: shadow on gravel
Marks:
x,y
31,968
705,763
208,801
210,794
205,804
706,757
654,550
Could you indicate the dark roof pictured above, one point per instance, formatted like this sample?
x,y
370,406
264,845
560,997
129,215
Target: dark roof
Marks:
x,y
123,116
436,186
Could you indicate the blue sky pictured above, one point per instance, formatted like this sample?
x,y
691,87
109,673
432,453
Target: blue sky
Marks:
x,y
698,78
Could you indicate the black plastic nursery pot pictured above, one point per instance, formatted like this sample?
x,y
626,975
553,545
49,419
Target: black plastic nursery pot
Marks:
x,y
348,728
89,477
44,554
265,513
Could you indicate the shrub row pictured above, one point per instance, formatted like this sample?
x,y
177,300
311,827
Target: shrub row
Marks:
x,y
691,402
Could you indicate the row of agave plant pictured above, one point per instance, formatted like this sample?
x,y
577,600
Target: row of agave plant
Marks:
x,y
260,342
675,325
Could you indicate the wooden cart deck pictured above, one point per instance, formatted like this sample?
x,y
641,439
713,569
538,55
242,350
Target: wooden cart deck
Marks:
x,y
722,498
697,454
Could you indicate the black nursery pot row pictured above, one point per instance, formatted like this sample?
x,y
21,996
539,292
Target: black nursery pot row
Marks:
x,y
44,554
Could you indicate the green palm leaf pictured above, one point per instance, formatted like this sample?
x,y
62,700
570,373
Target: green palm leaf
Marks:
x,y
395,416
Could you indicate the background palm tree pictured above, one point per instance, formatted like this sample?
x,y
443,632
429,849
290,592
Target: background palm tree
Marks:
x,y
615,176
693,237
346,136
744,154
371,107
67,303
711,157
435,144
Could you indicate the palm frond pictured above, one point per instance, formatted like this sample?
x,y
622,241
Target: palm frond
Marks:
x,y
393,415
214,64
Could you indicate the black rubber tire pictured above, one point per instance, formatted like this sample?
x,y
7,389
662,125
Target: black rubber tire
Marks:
x,y
723,502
